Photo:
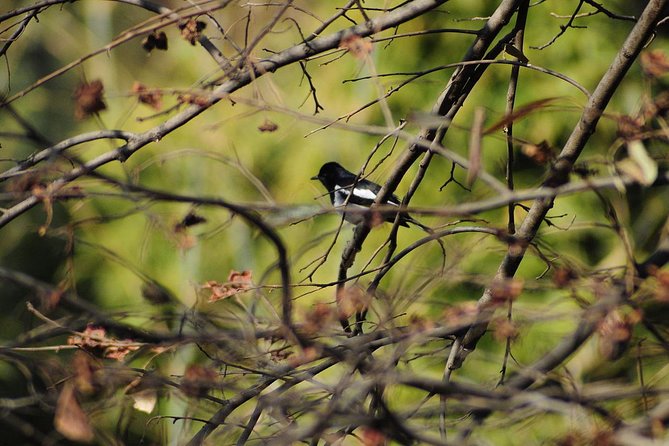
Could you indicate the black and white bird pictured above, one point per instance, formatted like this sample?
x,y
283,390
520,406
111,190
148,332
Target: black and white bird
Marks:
x,y
342,186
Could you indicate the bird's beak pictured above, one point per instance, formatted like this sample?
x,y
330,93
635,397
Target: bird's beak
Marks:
x,y
315,178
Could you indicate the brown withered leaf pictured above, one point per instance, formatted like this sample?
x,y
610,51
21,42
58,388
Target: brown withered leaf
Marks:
x,y
661,291
143,392
356,45
518,113
268,126
461,314
91,338
352,300
503,329
515,52
237,282
372,437
192,98
155,40
84,368
191,30
89,99
504,290
25,182
155,293
191,219
70,420
198,380
661,104
419,323
151,97
304,356
95,341
119,351
615,332
318,318
629,128
639,165
654,63
563,277
539,153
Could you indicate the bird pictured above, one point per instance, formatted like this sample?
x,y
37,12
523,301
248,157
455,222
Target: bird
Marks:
x,y
339,183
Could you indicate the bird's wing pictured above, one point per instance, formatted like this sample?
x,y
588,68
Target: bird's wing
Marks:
x,y
364,194
375,188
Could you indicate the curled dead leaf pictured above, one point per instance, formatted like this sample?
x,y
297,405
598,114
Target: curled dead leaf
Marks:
x,y
352,300
95,341
268,126
155,40
563,277
615,333
237,282
539,153
318,318
89,99
503,329
654,63
70,420
461,314
198,380
152,97
504,290
358,46
191,30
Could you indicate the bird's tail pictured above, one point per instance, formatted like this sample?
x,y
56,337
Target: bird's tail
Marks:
x,y
425,228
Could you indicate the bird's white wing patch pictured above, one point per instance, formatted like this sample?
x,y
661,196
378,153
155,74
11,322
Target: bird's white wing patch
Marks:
x,y
364,193
341,194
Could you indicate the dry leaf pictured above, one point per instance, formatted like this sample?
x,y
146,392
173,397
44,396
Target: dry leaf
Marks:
x,y
352,300
419,323
539,153
144,401
318,318
237,282
654,63
93,339
191,219
70,420
88,99
151,97
372,437
84,369
155,40
155,293
504,290
268,126
192,98
192,30
304,356
356,45
143,391
198,380
515,52
520,112
564,277
503,329
629,127
615,332
461,314
639,165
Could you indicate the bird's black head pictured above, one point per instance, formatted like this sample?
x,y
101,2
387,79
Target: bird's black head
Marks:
x,y
330,173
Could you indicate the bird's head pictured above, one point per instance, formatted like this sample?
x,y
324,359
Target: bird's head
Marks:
x,y
329,174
